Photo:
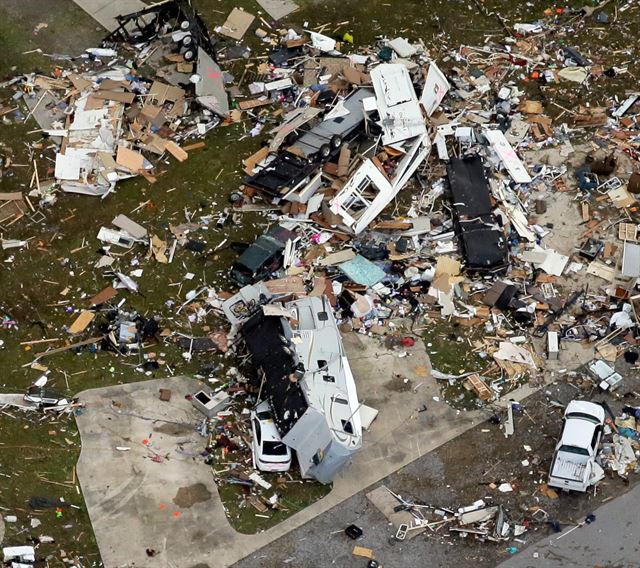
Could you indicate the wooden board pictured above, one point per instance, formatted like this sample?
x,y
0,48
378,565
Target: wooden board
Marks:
x,y
103,296
253,103
82,321
479,387
363,552
175,150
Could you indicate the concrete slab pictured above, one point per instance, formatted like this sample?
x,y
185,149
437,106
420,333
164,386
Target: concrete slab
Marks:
x,y
125,500
134,503
105,11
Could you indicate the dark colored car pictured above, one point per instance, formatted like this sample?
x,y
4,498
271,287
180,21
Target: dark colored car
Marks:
x,y
262,258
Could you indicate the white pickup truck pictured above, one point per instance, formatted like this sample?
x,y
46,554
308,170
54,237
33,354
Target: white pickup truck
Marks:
x,y
574,464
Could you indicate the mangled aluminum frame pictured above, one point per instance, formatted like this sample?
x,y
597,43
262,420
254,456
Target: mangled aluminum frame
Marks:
x,y
353,203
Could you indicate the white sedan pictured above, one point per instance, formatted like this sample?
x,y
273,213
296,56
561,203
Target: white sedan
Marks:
x,y
269,452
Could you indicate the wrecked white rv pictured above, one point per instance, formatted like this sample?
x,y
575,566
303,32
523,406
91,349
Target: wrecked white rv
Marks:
x,y
307,381
370,189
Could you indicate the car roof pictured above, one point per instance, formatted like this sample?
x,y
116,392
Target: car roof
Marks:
x,y
259,253
267,426
269,430
578,432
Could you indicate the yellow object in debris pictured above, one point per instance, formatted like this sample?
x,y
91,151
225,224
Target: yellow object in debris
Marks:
x,y
347,37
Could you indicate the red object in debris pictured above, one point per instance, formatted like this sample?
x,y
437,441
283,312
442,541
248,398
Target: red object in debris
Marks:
x,y
408,341
535,75
559,10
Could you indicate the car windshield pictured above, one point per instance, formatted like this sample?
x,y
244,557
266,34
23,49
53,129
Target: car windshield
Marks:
x,y
274,449
265,415
574,450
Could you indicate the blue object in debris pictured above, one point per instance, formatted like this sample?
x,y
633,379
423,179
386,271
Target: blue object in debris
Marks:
x,y
362,271
629,433
586,180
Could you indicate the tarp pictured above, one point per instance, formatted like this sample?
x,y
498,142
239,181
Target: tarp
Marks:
x,y
362,271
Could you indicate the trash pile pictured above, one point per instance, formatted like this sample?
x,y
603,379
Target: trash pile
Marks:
x,y
466,244
620,455
480,521
402,188
111,117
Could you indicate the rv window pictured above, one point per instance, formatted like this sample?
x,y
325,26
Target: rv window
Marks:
x,y
328,379
258,433
340,400
346,426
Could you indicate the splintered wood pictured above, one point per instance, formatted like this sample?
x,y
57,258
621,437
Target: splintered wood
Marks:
x,y
628,232
560,185
479,387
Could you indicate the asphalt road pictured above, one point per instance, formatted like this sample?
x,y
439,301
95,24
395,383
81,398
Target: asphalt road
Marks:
x,y
612,541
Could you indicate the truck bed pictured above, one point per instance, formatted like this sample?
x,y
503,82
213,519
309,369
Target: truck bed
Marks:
x,y
570,467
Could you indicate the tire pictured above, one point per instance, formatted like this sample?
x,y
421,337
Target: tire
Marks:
x,y
187,41
324,152
185,25
236,197
291,138
189,55
336,141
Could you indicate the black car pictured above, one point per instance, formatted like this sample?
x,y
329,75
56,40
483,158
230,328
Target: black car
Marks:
x,y
262,258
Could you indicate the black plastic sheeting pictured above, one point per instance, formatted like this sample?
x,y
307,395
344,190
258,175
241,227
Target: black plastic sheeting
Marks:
x,y
483,241
263,336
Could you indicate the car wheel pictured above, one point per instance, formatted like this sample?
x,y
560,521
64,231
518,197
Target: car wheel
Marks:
x,y
324,152
185,25
236,197
187,41
189,55
336,142
291,138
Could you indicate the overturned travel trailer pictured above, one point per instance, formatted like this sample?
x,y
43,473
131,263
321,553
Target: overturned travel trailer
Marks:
x,y
308,148
308,382
481,236
370,189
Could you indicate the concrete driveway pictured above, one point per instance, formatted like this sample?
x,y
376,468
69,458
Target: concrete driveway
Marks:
x,y
105,11
133,500
170,505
